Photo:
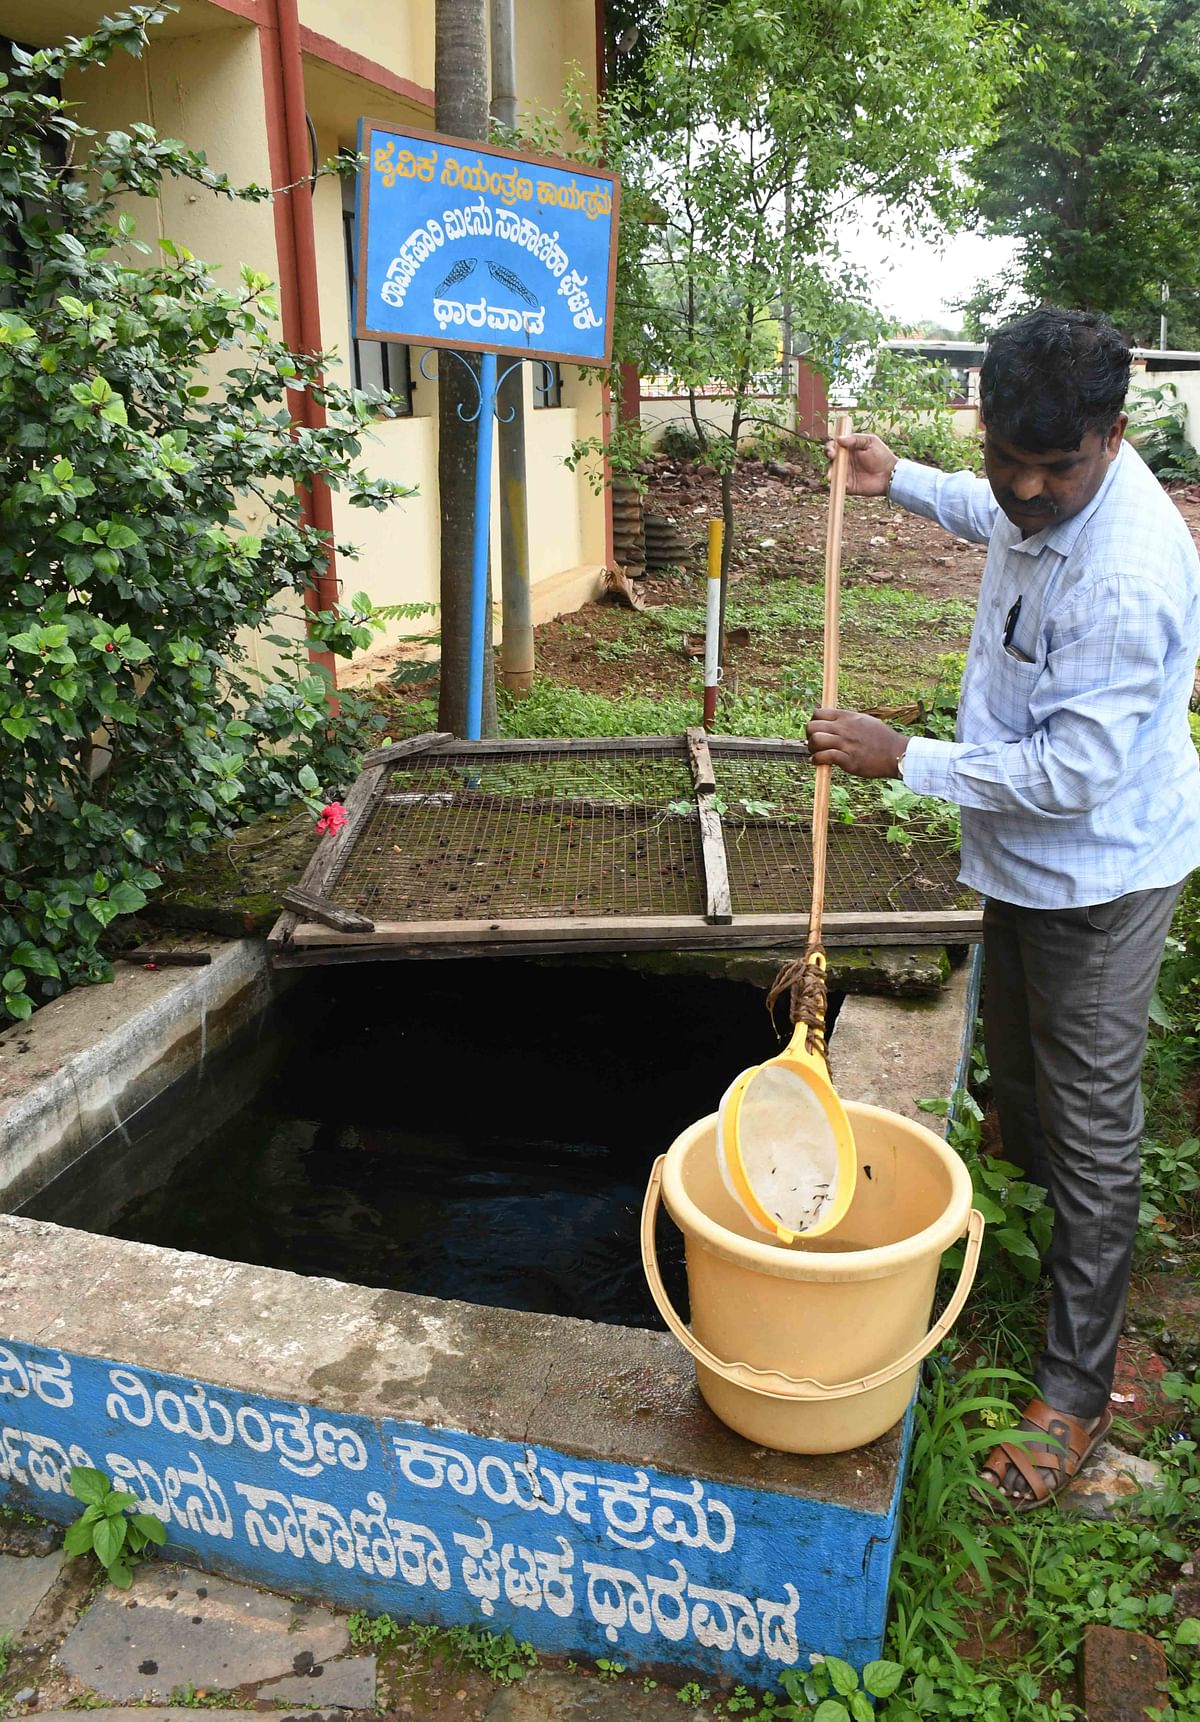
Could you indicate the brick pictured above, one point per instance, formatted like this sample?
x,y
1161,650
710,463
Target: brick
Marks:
x,y
1120,1673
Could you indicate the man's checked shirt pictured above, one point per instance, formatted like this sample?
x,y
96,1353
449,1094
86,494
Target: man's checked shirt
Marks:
x,y
1074,768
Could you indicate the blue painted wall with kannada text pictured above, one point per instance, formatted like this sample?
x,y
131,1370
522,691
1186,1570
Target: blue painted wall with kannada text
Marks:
x,y
581,1557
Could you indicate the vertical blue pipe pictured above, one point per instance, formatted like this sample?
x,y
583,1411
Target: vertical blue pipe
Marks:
x,y
479,547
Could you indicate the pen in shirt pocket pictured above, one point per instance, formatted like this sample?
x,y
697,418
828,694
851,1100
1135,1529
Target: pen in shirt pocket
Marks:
x,y
1010,628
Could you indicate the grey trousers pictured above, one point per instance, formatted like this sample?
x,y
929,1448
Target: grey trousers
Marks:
x,y
1065,1016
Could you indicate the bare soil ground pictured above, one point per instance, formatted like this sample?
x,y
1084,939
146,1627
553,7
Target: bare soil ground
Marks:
x,y
889,559
909,595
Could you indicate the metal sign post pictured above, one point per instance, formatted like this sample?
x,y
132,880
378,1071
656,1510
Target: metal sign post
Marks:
x,y
485,251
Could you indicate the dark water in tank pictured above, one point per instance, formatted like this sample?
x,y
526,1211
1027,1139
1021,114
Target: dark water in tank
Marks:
x,y
472,1130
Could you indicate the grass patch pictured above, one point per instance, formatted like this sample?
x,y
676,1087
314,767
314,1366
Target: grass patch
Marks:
x,y
786,619
553,709
791,605
502,1657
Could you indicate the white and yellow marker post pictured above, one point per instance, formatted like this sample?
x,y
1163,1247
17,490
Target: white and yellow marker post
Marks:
x,y
712,622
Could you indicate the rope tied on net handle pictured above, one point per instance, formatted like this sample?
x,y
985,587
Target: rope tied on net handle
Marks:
x,y
804,979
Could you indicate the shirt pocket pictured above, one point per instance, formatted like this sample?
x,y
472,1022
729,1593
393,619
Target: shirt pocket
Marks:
x,y
1010,690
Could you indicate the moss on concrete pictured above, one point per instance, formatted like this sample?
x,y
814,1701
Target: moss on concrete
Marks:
x,y
892,970
235,889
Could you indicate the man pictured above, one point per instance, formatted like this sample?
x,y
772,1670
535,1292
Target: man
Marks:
x,y
1080,797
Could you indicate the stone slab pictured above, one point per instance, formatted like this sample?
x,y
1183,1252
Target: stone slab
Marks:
x,y
180,1629
24,1581
348,1683
1108,1481
1120,1671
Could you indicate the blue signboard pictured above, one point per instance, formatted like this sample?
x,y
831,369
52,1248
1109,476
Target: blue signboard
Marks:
x,y
483,249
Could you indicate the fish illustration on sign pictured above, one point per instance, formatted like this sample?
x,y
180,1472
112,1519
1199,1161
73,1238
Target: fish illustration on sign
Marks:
x,y
479,313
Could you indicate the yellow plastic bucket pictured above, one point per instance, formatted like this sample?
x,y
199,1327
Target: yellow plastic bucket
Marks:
x,y
815,1348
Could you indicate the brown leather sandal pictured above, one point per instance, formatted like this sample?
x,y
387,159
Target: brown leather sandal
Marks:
x,y
1068,1446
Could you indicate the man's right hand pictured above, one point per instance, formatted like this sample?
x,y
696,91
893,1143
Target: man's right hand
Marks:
x,y
871,464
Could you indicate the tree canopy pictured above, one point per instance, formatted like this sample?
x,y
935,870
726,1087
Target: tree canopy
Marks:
x,y
1095,166
771,120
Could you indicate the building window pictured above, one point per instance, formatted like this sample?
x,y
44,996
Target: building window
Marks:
x,y
375,366
547,383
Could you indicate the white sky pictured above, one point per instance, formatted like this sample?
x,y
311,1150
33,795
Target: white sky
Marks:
x,y
917,279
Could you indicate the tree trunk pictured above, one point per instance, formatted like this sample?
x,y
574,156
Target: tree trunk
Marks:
x,y
516,650
461,109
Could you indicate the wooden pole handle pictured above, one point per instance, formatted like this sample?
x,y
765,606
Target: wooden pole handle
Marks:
x,y
838,474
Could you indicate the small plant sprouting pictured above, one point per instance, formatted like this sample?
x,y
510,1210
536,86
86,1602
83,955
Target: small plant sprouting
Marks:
x,y
919,815
841,806
832,1686
110,1526
740,1700
692,1694
497,1654
192,1697
379,1629
1019,1219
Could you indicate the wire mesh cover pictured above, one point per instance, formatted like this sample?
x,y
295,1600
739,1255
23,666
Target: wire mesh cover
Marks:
x,y
555,834
768,848
533,834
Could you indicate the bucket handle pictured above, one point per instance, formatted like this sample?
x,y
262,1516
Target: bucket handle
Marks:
x,y
772,1383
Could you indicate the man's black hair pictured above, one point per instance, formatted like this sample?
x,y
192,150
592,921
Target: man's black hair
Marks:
x,y
1051,377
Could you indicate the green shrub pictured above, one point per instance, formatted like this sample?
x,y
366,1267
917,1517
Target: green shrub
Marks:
x,y
131,732
680,443
1158,428
110,1526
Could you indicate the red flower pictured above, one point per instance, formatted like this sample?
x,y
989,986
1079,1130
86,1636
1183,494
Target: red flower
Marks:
x,y
333,817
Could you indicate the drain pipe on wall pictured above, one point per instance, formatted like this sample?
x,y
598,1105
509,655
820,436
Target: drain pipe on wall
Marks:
x,y
288,145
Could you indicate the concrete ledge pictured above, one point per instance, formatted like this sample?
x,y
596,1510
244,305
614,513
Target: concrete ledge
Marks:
x,y
568,590
898,971
435,1460
86,1063
896,1052
431,1459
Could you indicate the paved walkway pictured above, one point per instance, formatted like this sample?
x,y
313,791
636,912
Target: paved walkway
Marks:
x,y
183,1641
